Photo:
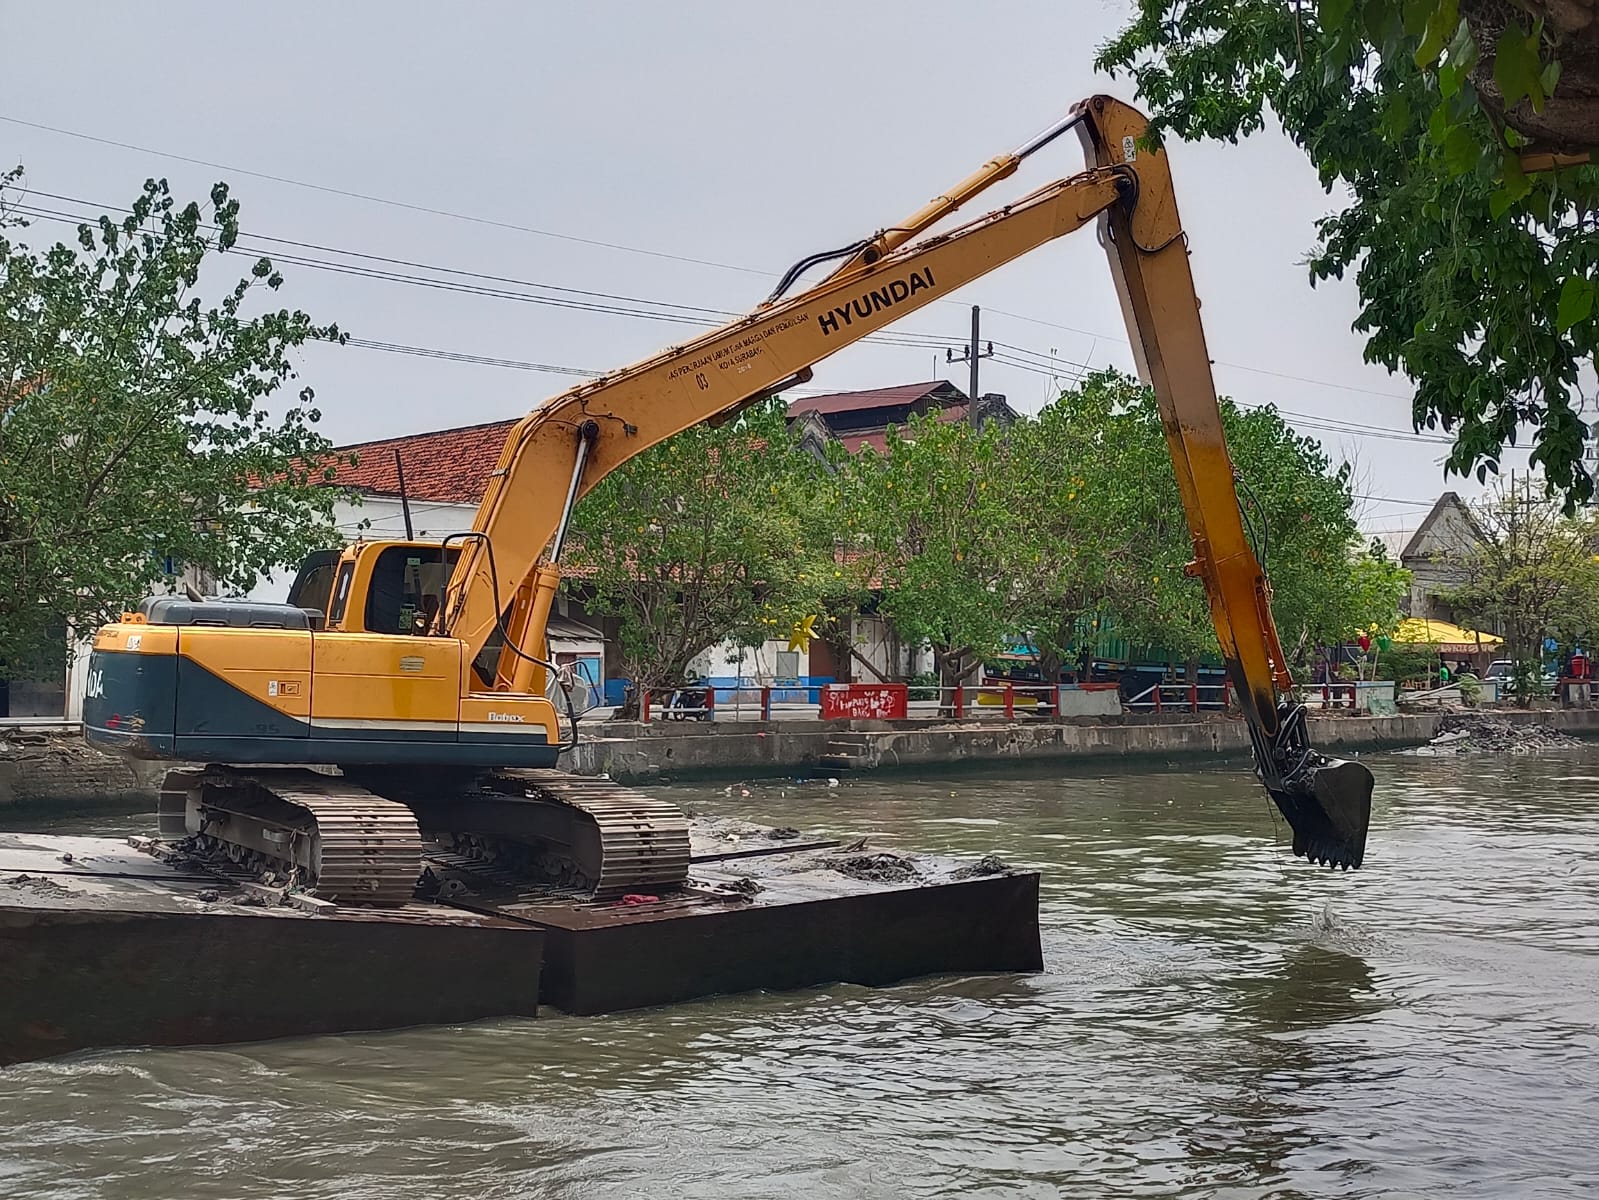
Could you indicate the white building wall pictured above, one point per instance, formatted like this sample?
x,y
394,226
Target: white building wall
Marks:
x,y
760,664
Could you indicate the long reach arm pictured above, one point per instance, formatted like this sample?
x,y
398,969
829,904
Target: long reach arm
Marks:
x,y
505,579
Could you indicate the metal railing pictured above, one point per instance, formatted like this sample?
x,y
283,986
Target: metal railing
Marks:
x,y
993,700
1181,697
1000,700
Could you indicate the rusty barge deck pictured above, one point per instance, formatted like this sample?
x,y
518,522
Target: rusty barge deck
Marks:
x,y
105,945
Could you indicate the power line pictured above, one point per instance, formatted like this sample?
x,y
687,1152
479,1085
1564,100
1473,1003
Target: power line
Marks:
x,y
1394,500
1017,357
371,199
628,306
495,223
482,360
1089,333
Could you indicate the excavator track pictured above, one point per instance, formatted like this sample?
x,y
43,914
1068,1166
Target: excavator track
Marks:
x,y
320,831
348,843
580,836
644,839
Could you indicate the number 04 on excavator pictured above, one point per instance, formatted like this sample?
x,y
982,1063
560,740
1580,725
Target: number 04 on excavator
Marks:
x,y
421,672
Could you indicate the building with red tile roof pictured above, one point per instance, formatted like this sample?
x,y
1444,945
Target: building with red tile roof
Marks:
x,y
452,466
445,466
861,419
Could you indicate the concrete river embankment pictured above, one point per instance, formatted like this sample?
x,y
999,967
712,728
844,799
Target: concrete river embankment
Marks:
x,y
631,751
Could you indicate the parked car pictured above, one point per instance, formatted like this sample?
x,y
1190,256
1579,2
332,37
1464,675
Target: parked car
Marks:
x,y
1502,670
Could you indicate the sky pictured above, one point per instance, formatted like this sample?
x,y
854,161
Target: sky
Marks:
x,y
681,155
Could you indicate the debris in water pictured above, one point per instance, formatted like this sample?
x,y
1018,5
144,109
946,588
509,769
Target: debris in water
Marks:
x,y
987,865
1474,733
784,833
747,885
876,868
207,895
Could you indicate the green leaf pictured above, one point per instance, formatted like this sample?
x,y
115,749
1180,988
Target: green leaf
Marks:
x,y
1462,151
1516,67
1396,117
1576,302
1438,126
1441,22
1331,14
1550,77
1417,14
1463,47
1515,187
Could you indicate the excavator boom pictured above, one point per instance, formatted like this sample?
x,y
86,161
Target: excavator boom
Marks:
x,y
1128,187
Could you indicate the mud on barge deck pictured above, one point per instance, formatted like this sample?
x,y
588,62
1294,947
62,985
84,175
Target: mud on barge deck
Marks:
x,y
104,944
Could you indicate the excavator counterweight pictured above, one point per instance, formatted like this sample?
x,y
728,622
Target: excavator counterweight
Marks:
x,y
420,671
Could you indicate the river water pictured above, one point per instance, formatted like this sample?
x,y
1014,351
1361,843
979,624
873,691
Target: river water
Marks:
x,y
1215,1019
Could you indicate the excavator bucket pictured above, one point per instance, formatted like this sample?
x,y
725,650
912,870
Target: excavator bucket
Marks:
x,y
1328,806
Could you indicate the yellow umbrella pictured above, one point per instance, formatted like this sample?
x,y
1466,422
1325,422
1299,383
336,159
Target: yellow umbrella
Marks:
x,y
1451,639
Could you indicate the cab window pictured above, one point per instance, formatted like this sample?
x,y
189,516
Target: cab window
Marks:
x,y
404,592
341,593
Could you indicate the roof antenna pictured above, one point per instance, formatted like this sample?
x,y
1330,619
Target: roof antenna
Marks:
x,y
405,503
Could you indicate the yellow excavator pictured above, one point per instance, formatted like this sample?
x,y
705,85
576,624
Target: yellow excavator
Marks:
x,y
398,707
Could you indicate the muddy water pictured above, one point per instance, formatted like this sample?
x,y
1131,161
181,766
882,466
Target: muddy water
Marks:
x,y
1214,1021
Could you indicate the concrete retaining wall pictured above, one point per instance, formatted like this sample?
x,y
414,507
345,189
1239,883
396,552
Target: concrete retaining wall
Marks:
x,y
626,751
57,767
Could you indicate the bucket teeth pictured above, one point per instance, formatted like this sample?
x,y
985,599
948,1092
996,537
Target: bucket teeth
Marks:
x,y
1328,807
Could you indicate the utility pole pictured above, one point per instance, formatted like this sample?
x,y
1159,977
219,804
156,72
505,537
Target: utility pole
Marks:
x,y
972,355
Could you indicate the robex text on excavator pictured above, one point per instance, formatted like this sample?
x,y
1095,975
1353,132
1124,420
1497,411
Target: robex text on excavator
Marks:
x,y
394,717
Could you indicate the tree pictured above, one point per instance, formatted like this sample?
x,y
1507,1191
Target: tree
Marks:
x,y
713,534
1132,539
930,523
1477,277
1089,512
975,540
134,430
1532,574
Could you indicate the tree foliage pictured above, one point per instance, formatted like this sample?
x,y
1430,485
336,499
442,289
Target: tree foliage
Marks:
x,y
966,541
1477,278
711,535
1297,504
928,524
1531,573
981,538
133,419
